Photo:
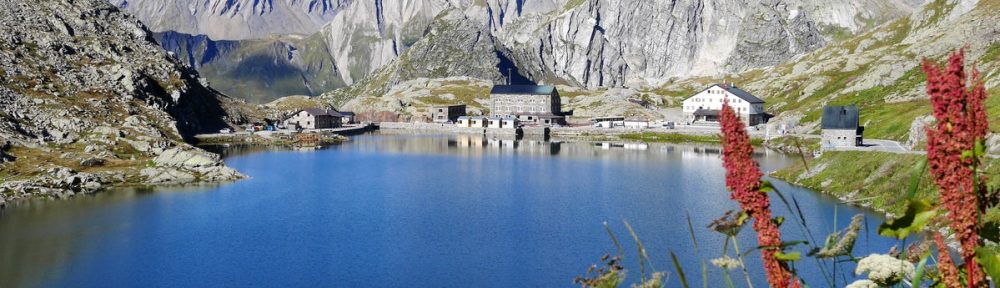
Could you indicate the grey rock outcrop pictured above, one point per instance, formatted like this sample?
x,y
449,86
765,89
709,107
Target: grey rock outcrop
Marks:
x,y
79,81
645,43
234,19
180,165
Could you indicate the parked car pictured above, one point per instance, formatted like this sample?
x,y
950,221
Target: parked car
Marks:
x,y
670,125
226,131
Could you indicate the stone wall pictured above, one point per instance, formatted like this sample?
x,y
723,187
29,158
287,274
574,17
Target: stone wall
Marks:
x,y
839,138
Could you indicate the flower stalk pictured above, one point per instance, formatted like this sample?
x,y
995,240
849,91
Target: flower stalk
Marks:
x,y
743,179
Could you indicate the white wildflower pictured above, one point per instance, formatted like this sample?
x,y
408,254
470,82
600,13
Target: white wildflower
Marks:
x,y
862,284
885,270
726,263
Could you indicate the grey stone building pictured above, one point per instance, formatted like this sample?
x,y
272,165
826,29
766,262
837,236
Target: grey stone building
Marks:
x,y
314,118
449,113
841,127
530,104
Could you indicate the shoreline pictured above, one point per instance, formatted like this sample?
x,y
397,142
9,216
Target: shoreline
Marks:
x,y
559,134
189,164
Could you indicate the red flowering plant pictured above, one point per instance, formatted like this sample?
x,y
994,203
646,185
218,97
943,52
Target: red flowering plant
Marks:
x,y
743,179
954,149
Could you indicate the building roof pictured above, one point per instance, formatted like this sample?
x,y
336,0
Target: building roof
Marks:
x,y
733,89
321,112
841,117
706,112
448,106
538,114
523,89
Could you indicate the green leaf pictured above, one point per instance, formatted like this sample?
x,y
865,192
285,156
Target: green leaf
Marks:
x,y
919,274
980,149
786,257
680,271
915,176
918,212
742,219
966,155
989,258
779,220
767,187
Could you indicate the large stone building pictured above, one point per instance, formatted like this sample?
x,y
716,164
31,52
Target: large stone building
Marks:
x,y
530,104
314,118
449,113
705,106
841,127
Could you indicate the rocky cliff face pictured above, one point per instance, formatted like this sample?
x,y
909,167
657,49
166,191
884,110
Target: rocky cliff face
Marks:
x,y
454,46
582,43
370,34
234,19
597,43
87,98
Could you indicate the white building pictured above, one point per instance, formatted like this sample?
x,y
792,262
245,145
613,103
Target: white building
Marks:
x,y
471,122
314,118
706,105
506,122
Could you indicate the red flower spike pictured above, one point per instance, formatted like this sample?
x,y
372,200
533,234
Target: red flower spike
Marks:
x,y
961,123
949,273
743,179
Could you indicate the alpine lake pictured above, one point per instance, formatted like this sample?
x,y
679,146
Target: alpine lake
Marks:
x,y
397,210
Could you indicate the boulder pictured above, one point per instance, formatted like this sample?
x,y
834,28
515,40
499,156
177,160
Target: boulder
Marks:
x,y
92,162
166,176
918,131
187,158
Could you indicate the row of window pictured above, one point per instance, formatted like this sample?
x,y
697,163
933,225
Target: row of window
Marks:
x,y
693,108
534,100
718,100
523,108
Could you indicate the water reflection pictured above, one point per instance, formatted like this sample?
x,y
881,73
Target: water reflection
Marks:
x,y
397,211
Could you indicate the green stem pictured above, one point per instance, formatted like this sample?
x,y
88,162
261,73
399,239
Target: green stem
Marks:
x,y
739,255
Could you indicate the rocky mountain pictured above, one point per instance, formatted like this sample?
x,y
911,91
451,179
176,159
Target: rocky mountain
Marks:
x,y
258,70
879,71
88,99
597,43
580,43
645,43
234,19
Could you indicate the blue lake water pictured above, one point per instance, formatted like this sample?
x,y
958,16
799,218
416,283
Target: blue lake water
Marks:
x,y
408,211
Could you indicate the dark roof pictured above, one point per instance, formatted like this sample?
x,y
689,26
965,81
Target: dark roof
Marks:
x,y
523,89
448,106
321,112
539,114
742,94
706,112
316,111
841,117
346,113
